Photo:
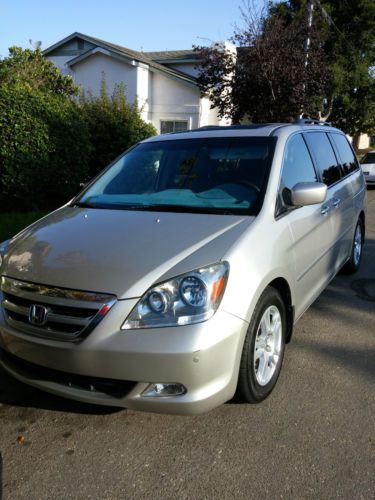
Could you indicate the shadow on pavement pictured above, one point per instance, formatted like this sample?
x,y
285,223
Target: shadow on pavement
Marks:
x,y
359,360
14,393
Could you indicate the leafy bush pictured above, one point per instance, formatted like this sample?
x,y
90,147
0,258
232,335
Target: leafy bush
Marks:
x,y
114,125
44,141
44,149
49,140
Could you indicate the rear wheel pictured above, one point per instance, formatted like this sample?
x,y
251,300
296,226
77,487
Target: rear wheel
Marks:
x,y
354,261
263,350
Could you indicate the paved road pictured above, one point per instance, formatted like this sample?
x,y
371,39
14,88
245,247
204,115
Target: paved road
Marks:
x,y
313,438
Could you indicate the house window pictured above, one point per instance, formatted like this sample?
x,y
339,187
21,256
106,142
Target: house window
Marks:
x,y
168,126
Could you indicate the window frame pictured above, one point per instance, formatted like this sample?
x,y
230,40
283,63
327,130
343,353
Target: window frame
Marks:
x,y
320,174
283,211
174,126
337,151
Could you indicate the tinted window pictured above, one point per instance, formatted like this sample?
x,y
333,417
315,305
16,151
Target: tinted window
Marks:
x,y
297,167
325,157
213,175
369,158
348,160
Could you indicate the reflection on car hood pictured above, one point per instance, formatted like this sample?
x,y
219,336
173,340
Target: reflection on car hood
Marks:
x,y
116,251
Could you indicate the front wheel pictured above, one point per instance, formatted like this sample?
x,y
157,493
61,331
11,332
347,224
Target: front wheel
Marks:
x,y
355,258
263,350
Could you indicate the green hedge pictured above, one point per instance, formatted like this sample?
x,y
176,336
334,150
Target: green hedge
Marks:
x,y
113,124
44,149
51,141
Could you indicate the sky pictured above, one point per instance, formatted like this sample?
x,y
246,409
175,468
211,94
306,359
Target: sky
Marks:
x,y
137,24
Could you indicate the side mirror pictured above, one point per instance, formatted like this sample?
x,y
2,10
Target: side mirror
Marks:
x,y
308,193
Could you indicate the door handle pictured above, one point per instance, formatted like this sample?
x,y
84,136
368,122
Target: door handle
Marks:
x,y
336,202
324,210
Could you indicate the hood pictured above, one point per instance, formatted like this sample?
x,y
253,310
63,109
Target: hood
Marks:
x,y
118,251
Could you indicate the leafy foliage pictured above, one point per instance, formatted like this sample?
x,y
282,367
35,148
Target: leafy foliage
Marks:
x,y
349,46
42,134
270,79
33,71
114,125
49,140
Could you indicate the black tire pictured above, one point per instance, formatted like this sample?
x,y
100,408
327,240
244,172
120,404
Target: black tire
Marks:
x,y
249,389
354,262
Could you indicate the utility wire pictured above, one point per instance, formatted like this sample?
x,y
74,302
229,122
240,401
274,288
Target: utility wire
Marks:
x,y
331,22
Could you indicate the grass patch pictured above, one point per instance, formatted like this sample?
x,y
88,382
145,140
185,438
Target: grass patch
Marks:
x,y
11,223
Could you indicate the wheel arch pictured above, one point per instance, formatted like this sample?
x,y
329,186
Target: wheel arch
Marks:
x,y
282,286
362,217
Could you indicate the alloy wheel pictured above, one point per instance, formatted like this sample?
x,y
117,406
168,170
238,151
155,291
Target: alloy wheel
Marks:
x,y
267,346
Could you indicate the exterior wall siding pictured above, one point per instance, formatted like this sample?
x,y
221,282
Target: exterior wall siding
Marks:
x,y
89,73
187,68
60,61
172,100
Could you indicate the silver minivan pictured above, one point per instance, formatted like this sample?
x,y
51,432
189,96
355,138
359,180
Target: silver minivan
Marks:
x,y
174,279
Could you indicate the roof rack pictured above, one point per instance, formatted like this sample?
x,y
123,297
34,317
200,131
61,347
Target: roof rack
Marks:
x,y
311,121
250,126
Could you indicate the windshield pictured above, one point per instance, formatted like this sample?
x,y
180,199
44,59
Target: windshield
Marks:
x,y
215,175
369,158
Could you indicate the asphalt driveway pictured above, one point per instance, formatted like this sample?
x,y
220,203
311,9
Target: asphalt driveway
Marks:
x,y
313,438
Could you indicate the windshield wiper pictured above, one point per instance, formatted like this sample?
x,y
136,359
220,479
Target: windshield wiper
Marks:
x,y
82,204
109,206
188,209
165,207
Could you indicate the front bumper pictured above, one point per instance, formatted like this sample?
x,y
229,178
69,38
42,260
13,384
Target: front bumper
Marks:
x,y
203,357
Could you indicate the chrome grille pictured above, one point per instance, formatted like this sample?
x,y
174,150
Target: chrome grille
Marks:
x,y
52,312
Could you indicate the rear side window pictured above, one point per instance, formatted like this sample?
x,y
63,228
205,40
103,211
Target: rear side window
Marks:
x,y
348,160
297,167
325,157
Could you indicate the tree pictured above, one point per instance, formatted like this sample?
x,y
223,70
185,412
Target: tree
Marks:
x,y
271,79
352,44
114,125
44,141
31,70
349,46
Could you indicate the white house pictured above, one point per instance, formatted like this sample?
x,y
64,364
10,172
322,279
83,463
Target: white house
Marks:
x,y
164,83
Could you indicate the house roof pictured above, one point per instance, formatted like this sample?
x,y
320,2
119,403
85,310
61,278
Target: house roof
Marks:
x,y
169,56
119,50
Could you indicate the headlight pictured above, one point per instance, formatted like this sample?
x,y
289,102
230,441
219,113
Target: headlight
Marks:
x,y
3,247
190,298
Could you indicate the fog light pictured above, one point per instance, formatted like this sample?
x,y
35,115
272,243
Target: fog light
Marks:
x,y
164,390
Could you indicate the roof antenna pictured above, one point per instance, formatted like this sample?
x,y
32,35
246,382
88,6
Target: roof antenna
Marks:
x,y
35,45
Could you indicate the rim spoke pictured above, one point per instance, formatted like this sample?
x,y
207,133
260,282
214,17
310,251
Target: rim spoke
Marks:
x,y
263,327
263,363
274,359
267,320
258,354
276,324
